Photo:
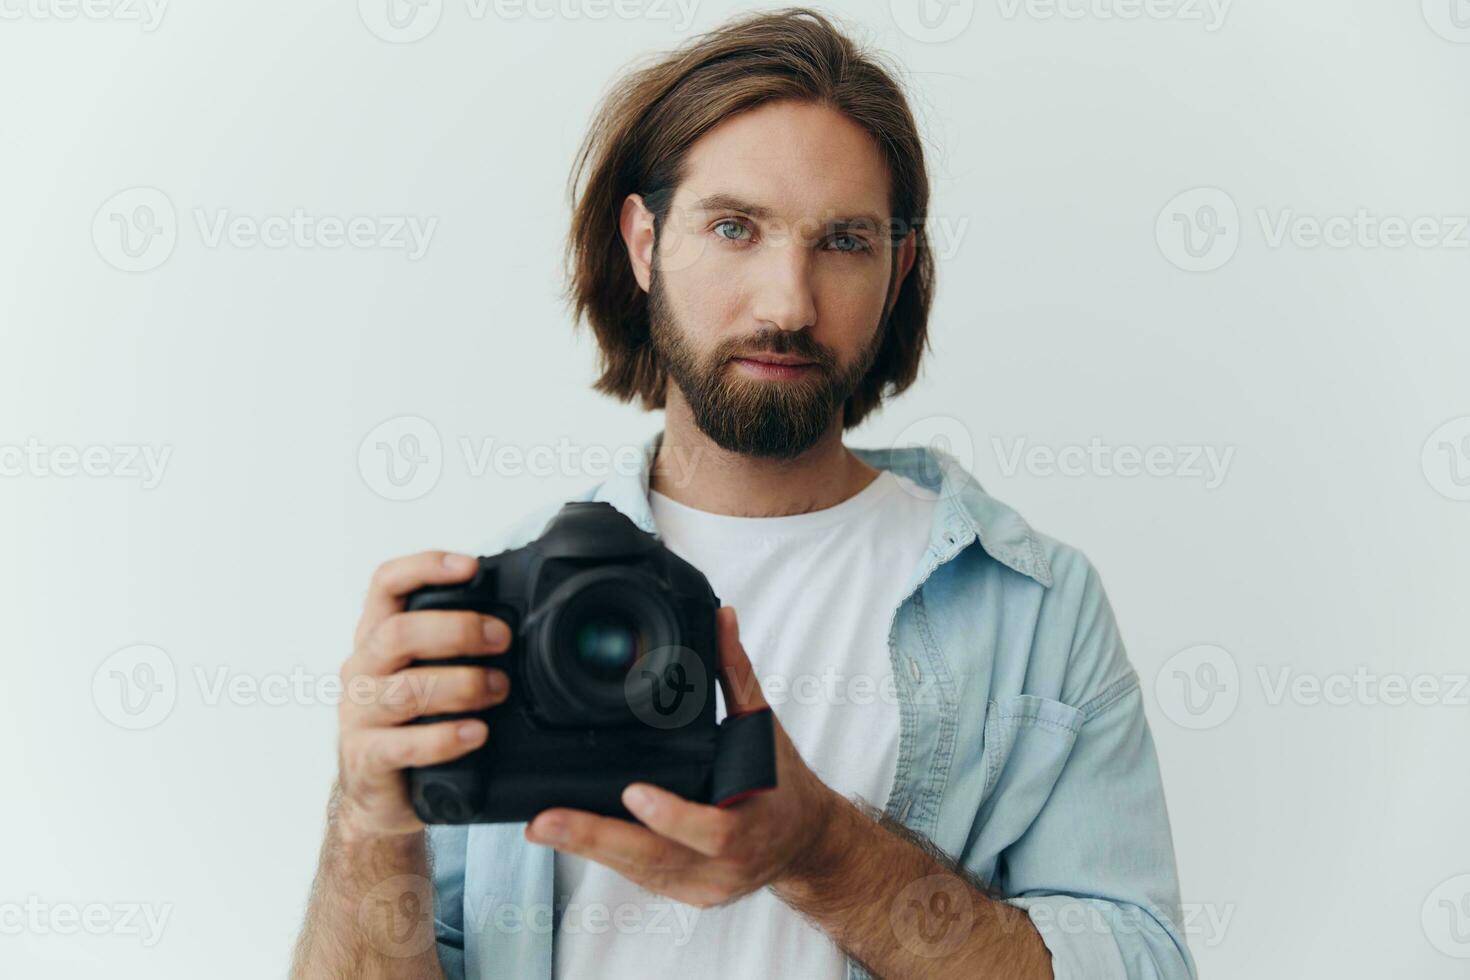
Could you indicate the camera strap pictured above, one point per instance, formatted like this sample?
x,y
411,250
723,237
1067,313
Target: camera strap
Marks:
x,y
745,759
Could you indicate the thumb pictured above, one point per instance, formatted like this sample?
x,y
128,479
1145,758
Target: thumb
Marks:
x,y
737,677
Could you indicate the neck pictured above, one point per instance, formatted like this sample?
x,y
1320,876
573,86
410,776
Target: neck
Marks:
x,y
693,470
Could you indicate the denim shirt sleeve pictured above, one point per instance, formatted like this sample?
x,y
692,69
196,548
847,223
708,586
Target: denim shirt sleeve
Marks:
x,y
447,850
1095,869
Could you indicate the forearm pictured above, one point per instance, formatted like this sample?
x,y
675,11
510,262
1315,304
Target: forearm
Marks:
x,y
371,908
902,910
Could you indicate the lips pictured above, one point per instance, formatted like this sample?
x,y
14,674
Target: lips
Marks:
x,y
774,367
783,360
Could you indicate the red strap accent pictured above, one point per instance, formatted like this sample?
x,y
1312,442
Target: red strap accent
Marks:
x,y
731,801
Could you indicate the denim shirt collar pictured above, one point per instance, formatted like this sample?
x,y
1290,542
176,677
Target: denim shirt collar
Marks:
x,y
965,513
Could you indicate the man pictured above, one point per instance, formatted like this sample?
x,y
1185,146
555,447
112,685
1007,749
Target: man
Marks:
x,y
973,792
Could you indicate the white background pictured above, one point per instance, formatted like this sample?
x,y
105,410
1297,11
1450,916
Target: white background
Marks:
x,y
1314,838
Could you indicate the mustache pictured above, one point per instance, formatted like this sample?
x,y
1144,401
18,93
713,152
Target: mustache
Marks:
x,y
796,344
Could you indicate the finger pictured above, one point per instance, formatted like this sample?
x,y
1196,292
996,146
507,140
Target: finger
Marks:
x,y
607,840
737,677
381,750
378,702
706,829
425,635
397,577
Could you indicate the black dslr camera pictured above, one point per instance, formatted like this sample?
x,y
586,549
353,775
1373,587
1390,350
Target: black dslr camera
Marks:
x,y
612,670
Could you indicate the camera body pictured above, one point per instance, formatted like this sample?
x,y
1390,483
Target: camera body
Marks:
x,y
612,669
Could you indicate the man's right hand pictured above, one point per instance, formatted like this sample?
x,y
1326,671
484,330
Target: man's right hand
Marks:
x,y
381,692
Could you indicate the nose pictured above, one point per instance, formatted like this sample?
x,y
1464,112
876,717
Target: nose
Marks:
x,y
784,299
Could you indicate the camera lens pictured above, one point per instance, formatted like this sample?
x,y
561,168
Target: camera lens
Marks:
x,y
598,625
608,644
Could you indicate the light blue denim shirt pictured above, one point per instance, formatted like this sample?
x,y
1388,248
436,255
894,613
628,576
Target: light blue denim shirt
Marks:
x,y
1023,751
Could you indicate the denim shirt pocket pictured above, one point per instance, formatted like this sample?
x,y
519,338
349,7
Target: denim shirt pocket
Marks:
x,y
1027,742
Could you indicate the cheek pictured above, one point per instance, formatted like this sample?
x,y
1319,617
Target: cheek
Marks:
x,y
707,295
850,305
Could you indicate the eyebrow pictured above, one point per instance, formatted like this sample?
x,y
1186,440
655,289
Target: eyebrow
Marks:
x,y
729,202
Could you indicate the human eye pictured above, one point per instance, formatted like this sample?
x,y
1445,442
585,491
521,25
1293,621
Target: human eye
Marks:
x,y
736,228
851,244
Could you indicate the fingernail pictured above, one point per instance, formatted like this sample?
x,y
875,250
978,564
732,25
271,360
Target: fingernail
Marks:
x,y
552,829
458,563
470,731
638,799
496,682
496,633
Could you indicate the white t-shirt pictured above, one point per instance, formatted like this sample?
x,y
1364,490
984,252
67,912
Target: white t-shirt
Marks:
x,y
816,594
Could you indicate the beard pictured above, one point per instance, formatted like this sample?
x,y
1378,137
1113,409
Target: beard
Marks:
x,y
777,420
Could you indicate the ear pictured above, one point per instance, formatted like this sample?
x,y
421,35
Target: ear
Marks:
x,y
907,250
635,223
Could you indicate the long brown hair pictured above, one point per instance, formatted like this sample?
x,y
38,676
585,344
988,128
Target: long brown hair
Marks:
x,y
638,142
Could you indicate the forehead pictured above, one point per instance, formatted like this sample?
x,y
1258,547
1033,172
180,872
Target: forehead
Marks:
x,y
794,158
